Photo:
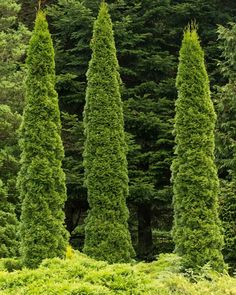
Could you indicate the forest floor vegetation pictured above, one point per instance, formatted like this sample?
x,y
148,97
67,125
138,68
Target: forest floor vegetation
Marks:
x,y
81,275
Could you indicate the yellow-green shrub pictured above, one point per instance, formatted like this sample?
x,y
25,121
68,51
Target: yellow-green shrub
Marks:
x,y
81,275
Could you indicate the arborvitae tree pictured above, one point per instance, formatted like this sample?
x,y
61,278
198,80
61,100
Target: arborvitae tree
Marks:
x,y
197,229
106,233
147,109
226,140
41,179
8,226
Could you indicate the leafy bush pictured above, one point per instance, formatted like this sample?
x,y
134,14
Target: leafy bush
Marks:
x,y
81,275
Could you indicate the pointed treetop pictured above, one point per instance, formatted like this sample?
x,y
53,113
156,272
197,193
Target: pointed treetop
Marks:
x,y
103,7
40,2
41,24
191,43
190,31
40,17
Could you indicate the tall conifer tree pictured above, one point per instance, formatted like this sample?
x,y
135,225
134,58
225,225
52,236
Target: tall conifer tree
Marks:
x,y
41,179
106,232
197,231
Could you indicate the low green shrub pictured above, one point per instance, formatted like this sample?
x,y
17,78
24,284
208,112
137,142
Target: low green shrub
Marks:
x,y
81,275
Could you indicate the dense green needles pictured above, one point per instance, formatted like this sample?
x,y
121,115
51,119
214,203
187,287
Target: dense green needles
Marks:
x,y
106,232
41,179
197,231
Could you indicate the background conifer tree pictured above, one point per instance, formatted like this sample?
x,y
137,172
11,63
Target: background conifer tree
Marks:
x,y
41,179
14,38
197,230
9,199
106,232
226,139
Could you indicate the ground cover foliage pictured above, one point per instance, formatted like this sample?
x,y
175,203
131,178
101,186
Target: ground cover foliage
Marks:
x,y
80,275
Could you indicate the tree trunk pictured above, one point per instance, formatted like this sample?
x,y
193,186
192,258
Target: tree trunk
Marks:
x,y
144,232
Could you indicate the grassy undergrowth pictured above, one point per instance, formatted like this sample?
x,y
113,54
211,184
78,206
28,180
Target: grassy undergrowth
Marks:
x,y
81,275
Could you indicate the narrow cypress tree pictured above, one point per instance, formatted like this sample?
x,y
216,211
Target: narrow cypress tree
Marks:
x,y
41,179
106,232
197,230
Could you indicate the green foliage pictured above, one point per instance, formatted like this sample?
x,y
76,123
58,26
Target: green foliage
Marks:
x,y
11,264
148,162
228,217
162,241
41,179
197,229
9,196
8,226
225,139
82,275
106,232
72,23
9,153
13,43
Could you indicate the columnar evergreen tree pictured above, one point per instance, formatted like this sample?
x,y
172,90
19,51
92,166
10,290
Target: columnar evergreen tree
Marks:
x,y
226,140
106,232
197,230
8,226
41,179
